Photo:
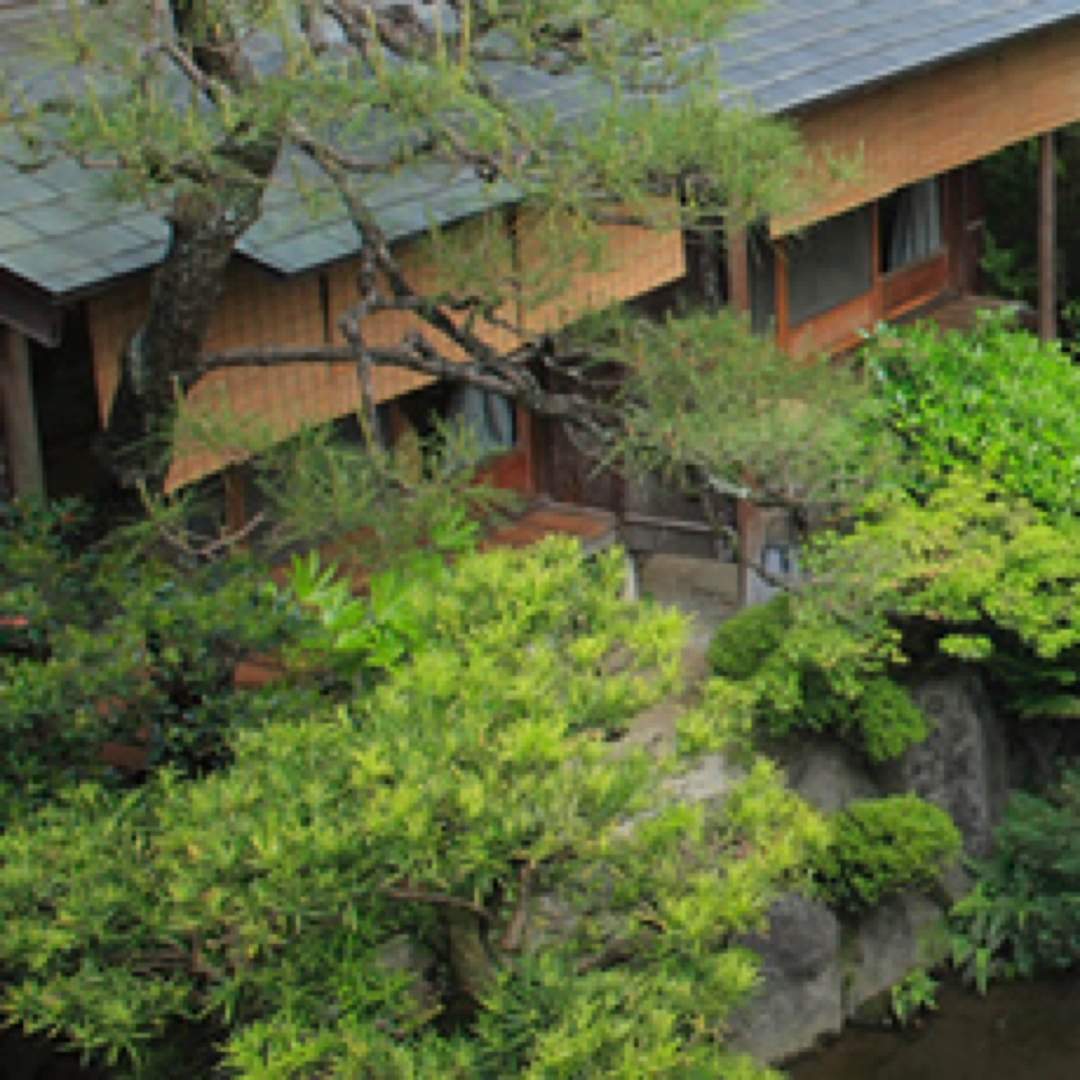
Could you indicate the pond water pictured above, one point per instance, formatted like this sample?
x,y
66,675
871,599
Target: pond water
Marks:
x,y
1019,1031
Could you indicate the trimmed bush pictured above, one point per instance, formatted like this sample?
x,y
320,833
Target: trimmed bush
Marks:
x,y
790,667
743,643
880,847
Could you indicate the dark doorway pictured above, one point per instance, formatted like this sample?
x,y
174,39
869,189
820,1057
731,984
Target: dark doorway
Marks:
x,y
67,411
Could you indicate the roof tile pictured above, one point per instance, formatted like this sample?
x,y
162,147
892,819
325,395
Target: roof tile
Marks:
x,y
786,55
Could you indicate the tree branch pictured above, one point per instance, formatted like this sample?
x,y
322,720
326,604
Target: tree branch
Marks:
x,y
405,892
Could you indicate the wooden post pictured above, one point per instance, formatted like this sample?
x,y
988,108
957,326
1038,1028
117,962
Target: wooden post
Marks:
x,y
783,296
1047,238
20,416
877,278
751,522
234,480
738,271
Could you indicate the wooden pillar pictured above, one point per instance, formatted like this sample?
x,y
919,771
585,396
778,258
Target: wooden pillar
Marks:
x,y
751,523
20,416
234,480
783,296
1047,238
738,271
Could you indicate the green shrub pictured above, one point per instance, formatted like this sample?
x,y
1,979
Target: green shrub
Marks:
x,y
879,847
997,400
102,641
1023,916
450,805
744,642
791,667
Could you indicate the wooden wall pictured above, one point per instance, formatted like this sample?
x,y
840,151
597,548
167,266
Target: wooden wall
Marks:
x,y
260,309
952,269
942,117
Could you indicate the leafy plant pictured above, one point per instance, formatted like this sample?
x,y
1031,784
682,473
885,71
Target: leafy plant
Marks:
x,y
563,914
780,653
1023,916
879,847
107,641
915,993
997,401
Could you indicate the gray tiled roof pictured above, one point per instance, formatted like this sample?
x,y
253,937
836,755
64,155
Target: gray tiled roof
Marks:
x,y
792,53
59,233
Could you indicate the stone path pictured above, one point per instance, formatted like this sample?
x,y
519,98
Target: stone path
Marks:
x,y
706,591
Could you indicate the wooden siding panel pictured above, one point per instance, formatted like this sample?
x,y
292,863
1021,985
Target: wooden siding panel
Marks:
x,y
905,289
261,310
833,331
940,118
113,316
635,261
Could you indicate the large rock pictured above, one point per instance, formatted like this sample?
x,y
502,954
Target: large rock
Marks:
x,y
800,997
887,944
962,766
827,774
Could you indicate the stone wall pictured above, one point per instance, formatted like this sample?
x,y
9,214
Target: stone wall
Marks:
x,y
817,971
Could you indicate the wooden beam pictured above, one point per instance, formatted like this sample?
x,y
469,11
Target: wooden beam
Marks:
x,y
20,416
783,296
234,481
738,271
1047,237
30,310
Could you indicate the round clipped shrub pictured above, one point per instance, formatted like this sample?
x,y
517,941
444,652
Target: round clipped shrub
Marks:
x,y
743,643
880,847
797,685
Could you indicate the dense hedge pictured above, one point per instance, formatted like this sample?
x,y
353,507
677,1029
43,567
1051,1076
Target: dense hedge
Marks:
x,y
786,668
879,847
451,874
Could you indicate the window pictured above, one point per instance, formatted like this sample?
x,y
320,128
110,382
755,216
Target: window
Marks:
x,y
830,264
762,266
491,417
911,225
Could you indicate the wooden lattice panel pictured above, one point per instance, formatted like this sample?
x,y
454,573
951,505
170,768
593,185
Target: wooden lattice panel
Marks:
x,y
940,118
634,260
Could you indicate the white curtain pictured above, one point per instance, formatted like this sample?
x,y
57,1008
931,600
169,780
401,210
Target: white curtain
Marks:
x,y
489,415
916,233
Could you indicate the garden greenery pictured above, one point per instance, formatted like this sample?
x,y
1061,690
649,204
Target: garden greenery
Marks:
x,y
782,659
880,847
1023,916
997,401
453,873
110,640
968,555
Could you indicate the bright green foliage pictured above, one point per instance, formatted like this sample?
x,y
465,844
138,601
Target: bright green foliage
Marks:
x,y
784,655
743,643
879,847
972,557
966,573
996,400
915,993
448,809
1023,915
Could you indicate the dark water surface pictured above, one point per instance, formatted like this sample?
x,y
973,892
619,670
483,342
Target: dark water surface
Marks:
x,y
1019,1031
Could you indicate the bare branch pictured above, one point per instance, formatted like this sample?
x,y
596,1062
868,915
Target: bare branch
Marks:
x,y
405,892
